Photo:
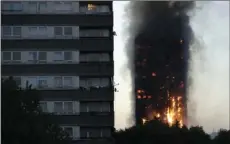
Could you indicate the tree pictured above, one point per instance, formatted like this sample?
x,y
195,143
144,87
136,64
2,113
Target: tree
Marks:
x,y
223,137
23,122
156,132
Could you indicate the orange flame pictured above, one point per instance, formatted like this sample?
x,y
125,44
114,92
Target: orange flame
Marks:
x,y
172,114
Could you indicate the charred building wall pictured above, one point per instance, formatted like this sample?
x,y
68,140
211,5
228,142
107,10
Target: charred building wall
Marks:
x,y
161,43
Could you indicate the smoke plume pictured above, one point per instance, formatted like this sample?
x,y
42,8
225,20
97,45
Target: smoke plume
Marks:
x,y
152,23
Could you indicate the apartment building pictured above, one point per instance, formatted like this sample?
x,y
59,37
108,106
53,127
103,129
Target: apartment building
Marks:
x,y
65,50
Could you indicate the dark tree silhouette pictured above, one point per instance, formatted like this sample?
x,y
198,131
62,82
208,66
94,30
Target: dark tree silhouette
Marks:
x,y
223,137
23,122
156,132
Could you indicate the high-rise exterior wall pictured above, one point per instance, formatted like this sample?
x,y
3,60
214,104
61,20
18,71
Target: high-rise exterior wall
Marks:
x,y
65,50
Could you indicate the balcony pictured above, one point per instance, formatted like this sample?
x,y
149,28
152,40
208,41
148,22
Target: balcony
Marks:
x,y
82,69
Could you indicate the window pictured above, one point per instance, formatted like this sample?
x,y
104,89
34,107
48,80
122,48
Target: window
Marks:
x,y
93,107
105,57
105,107
57,82
104,82
93,57
44,106
91,7
68,107
105,132
31,81
16,56
42,30
18,80
42,5
94,33
6,56
31,29
69,130
68,56
42,56
68,31
32,6
58,107
58,56
17,6
58,31
17,31
63,31
104,9
91,132
32,57
42,82
68,81
12,6
6,30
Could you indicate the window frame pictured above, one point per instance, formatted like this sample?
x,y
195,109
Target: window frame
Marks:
x,y
61,80
46,106
64,127
55,56
72,82
10,56
63,107
11,31
34,57
68,60
38,56
11,6
64,31
43,78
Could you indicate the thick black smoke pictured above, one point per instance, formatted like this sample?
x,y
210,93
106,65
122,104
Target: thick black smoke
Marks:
x,y
158,43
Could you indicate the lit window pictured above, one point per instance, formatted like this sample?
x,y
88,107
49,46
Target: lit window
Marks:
x,y
91,7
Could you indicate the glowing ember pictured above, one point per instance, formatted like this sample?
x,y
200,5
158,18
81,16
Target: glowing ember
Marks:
x,y
172,114
144,120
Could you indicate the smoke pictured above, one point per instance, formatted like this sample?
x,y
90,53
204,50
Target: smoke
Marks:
x,y
209,66
152,22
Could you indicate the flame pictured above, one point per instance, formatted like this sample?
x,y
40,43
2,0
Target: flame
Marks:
x,y
144,120
171,114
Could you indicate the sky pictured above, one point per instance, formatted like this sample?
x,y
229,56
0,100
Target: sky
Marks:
x,y
209,94
123,104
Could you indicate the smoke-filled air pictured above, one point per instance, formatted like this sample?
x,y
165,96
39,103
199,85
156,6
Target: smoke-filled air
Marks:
x,y
209,66
171,62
